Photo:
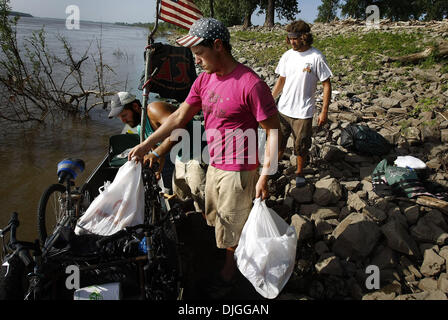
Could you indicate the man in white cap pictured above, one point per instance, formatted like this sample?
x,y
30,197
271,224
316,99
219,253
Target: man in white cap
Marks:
x,y
233,100
187,176
127,108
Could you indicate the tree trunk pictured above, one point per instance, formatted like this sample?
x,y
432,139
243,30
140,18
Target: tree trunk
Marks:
x,y
442,50
270,14
247,23
212,10
248,15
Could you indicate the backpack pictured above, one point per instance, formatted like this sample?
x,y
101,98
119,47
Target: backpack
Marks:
x,y
364,140
388,179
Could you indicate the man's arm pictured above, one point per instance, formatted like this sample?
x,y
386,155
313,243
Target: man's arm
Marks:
x,y
278,87
270,164
322,119
177,119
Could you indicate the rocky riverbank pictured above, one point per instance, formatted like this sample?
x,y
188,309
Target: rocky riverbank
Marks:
x,y
343,226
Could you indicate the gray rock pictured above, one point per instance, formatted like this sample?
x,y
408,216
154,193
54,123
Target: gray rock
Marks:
x,y
412,135
427,284
442,282
427,231
432,264
398,238
355,202
331,153
328,191
379,295
329,265
386,103
412,214
430,133
325,213
323,227
444,135
321,248
303,227
355,236
384,258
375,214
303,194
426,295
351,185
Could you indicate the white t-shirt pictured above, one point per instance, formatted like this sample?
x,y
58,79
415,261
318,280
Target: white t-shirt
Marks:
x,y
302,71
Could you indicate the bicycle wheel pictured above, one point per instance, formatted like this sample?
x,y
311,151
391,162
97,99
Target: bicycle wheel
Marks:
x,y
51,210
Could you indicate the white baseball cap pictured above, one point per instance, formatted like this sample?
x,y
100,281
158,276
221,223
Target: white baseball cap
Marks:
x,y
118,102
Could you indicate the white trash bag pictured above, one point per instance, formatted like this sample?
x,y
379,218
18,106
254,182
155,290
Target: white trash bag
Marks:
x,y
410,161
266,250
119,205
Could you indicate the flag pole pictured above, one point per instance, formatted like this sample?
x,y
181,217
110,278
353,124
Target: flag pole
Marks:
x,y
148,53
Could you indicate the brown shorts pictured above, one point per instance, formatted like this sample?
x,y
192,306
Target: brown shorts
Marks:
x,y
228,202
301,130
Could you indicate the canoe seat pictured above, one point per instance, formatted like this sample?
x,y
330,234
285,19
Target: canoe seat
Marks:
x,y
118,148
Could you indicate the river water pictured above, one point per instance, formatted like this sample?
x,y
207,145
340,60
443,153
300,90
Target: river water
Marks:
x,y
29,154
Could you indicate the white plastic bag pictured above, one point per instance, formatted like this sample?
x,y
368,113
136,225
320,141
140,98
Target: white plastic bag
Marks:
x,y
410,161
266,250
119,205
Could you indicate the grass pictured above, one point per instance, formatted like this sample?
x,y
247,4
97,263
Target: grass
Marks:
x,y
424,105
363,51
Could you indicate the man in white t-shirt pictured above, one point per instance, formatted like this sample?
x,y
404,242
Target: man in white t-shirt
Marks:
x,y
300,69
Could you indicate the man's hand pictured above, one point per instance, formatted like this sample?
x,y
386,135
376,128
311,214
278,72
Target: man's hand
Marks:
x,y
138,152
322,119
261,189
149,159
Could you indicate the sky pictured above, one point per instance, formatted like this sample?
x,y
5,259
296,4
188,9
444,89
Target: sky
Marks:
x,y
129,11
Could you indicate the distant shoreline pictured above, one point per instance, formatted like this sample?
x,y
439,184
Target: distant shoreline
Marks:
x,y
20,14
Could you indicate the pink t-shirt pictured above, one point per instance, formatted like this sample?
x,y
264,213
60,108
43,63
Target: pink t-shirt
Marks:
x,y
232,106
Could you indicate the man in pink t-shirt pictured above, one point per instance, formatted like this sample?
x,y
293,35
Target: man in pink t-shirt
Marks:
x,y
234,101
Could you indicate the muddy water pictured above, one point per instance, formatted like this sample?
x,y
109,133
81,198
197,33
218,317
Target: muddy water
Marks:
x,y
29,154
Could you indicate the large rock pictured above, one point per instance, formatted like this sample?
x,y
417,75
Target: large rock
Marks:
x,y
328,191
427,231
329,264
303,194
355,236
303,226
374,214
442,283
325,213
331,153
355,202
399,239
384,258
432,263
426,295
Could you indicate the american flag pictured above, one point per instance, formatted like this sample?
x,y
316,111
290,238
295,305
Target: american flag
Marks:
x,y
182,13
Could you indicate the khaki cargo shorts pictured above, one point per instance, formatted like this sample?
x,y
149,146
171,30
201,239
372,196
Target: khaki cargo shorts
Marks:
x,y
228,201
302,130
189,182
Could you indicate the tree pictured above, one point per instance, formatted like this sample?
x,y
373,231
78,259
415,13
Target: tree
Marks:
x,y
284,9
228,12
355,8
327,10
248,7
35,83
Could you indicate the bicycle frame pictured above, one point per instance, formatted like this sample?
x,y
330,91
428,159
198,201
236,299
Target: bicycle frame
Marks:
x,y
157,274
